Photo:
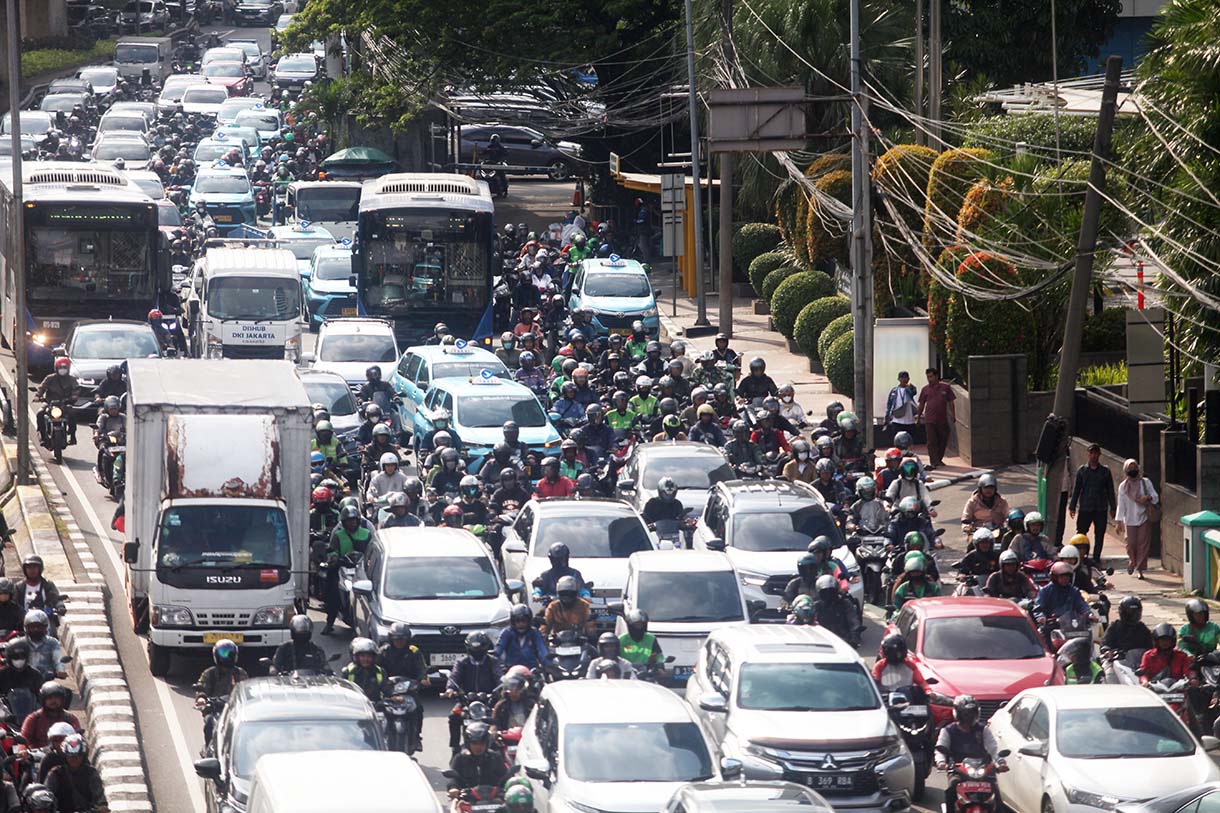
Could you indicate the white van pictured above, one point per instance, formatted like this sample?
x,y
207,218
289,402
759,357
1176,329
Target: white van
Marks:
x,y
390,782
686,597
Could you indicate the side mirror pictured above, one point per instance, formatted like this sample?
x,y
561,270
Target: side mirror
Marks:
x,y
714,701
59,350
208,768
514,546
538,769
716,544
515,585
932,681
364,587
334,657
308,358
731,768
616,608
1210,744
657,293
449,774
756,608
131,552
1034,749
625,485
1003,754
897,701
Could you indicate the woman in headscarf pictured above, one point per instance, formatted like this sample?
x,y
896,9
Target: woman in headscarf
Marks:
x,y
1135,495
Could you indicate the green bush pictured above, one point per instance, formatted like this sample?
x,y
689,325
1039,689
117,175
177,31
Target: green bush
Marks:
x,y
985,328
837,327
1105,332
814,319
751,240
794,293
773,279
34,63
764,264
1036,130
1103,375
840,363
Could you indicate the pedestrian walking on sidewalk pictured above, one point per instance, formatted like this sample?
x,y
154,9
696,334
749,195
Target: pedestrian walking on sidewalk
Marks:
x,y
901,406
1136,496
1093,499
938,413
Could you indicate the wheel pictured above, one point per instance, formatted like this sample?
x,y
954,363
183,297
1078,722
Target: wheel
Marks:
x,y
158,660
558,171
921,783
1047,805
59,454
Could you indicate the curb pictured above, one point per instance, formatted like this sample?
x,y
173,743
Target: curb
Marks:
x,y
973,474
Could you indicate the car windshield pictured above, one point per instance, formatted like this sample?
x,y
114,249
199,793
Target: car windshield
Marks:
x,y
31,123
260,120
127,149
137,123
168,216
593,534
612,284
255,738
806,687
778,530
246,135
153,188
298,64
223,536
197,94
225,54
636,752
253,298
483,412
302,245
1123,733
210,151
334,395
99,77
333,267
113,344
697,471
60,102
361,347
981,638
413,578
222,184
468,369
251,48
174,92
328,204
223,69
694,597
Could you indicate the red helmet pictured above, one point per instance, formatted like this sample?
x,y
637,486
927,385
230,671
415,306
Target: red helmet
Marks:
x,y
155,313
63,361
893,453
452,511
1060,569
323,494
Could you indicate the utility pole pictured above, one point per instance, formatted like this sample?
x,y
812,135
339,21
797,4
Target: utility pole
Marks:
x,y
921,137
726,190
693,92
861,243
1055,76
935,51
1073,328
21,409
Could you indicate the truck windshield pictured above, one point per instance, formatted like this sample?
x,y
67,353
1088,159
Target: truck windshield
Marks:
x,y
253,298
128,54
338,204
223,536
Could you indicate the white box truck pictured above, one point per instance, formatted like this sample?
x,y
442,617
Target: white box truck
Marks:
x,y
216,518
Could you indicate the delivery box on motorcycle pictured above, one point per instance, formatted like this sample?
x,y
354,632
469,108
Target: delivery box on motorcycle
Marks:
x,y
217,502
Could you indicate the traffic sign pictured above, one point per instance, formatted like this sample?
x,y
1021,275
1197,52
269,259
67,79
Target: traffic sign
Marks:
x,y
673,234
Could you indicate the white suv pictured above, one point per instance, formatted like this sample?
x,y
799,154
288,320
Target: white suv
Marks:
x,y
796,703
350,345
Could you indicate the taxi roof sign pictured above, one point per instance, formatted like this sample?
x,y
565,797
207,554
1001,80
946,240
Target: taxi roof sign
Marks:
x,y
486,376
460,347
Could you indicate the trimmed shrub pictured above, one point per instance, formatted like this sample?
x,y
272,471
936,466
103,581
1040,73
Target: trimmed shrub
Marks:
x,y
751,240
773,279
814,318
840,363
827,246
764,264
952,175
980,207
1036,130
1105,332
36,62
793,294
982,328
938,295
837,327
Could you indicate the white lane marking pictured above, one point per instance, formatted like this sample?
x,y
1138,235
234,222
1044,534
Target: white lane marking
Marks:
x,y
176,733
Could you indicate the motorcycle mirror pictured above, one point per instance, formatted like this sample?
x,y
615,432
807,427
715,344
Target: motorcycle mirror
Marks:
x,y
932,681
334,657
1109,571
616,608
449,774
897,701
1210,744
1003,754
716,544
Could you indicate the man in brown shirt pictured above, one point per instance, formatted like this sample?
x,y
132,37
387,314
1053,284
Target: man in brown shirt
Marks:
x,y
937,413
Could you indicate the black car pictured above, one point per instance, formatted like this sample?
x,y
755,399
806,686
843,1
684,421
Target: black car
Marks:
x,y
258,12
525,147
91,20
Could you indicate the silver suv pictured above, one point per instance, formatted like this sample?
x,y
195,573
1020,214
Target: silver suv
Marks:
x,y
796,703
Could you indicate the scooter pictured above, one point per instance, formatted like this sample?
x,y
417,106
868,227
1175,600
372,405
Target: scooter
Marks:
x,y
975,788
401,722
481,799
1039,571
908,708
870,552
571,657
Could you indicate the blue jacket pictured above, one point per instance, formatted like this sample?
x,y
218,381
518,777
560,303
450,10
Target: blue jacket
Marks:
x,y
711,434
1061,601
512,651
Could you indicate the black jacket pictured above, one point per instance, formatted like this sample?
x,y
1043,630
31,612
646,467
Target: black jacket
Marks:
x,y
217,681
468,676
288,657
1093,489
77,791
407,662
486,769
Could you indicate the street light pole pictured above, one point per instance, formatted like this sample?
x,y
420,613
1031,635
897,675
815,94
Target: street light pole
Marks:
x,y
21,410
861,242
693,92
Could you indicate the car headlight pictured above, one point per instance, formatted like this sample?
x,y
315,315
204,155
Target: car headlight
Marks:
x,y
752,579
1098,800
649,311
271,616
165,615
39,339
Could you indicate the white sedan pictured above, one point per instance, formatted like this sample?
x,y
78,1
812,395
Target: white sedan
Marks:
x,y
1085,749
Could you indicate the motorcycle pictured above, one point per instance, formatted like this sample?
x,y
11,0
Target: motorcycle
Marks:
x,y
908,708
210,709
975,789
1173,693
497,180
111,473
480,799
58,430
508,742
401,722
347,576
870,552
1120,667
571,657
1039,571
674,534
653,673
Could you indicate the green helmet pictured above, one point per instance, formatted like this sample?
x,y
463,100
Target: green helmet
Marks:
x,y
519,799
803,600
914,562
914,540
517,781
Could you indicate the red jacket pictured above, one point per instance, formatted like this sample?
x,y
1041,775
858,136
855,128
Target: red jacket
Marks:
x,y
38,723
1154,662
563,487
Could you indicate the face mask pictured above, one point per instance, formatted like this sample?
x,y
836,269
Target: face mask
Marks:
x,y
1133,473
803,455
35,636
18,663
787,399
61,371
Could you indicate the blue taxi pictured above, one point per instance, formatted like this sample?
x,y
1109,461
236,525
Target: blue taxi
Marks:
x,y
479,405
329,292
422,366
227,194
618,292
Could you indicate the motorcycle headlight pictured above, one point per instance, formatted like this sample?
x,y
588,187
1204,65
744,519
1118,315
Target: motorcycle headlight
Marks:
x,y
56,413
270,616
165,615
1098,800
39,339
976,772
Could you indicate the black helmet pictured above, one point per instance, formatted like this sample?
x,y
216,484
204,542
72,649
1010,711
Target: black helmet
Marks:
x,y
413,487
478,643
373,373
822,545
477,732
1196,607
965,709
559,555
1164,630
607,639
39,799
400,631
520,612
300,628
349,512
18,650
894,647
52,689
1131,609
585,483
636,618
758,364
607,668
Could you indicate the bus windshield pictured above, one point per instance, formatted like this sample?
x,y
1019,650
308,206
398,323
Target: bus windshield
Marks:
x,y
94,262
424,259
253,298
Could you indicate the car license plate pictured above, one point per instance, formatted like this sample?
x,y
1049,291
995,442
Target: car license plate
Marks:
x,y
832,781
444,658
213,637
622,331
223,218
348,311
683,671
600,612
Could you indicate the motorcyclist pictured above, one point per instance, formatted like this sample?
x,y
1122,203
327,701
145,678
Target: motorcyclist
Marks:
x,y
571,463
474,510
569,611
741,451
446,475
621,417
110,419
965,738
666,505
59,386
639,646
1060,598
1015,526
599,437
324,441
553,484
1082,578
706,428
113,384
1198,636
476,672
53,708
510,492
915,583
218,680
547,583
38,798
802,612
909,517
896,668
299,651
644,403
508,352
398,657
757,385
17,671
54,754
515,704
800,468
398,513
985,507
849,446
451,516
834,611
11,616
671,429
167,339
476,764
530,374
908,484
1164,659
373,385
983,559
653,365
363,669
1079,668
1128,633
771,440
868,513
387,481
1033,544
609,648
809,567
373,418
323,515
830,487
888,472
520,644
1009,581
636,345
46,654
566,406
349,539
76,784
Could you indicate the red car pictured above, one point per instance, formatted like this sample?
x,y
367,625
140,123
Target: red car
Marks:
x,y
232,75
986,647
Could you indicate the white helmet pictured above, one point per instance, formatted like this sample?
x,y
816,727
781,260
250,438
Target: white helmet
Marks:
x,y
1070,554
389,459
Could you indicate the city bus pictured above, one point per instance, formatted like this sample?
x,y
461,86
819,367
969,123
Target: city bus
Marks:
x,y
424,253
92,251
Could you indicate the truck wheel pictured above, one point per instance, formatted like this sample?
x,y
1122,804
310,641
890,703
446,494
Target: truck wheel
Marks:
x,y
158,660
139,614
